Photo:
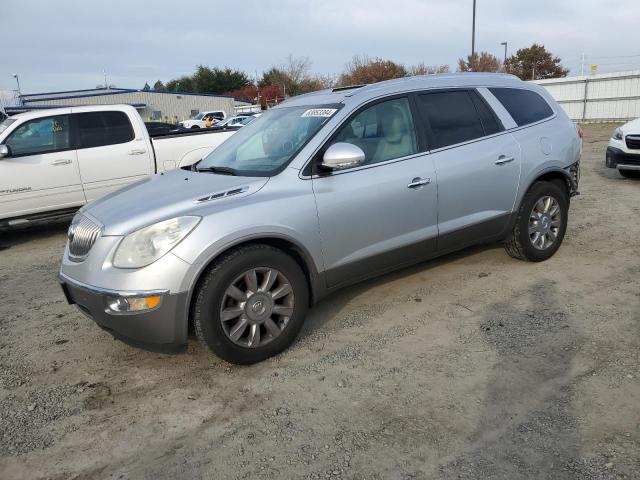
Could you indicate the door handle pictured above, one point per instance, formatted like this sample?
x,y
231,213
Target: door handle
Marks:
x,y
503,160
137,151
419,182
61,161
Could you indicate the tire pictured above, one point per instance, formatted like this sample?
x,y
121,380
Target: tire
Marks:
x,y
225,282
525,246
194,127
630,173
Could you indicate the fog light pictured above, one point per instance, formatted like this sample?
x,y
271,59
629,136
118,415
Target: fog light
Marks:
x,y
133,304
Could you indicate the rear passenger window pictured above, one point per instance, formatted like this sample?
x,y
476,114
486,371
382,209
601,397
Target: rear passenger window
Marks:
x,y
97,129
524,106
384,131
452,116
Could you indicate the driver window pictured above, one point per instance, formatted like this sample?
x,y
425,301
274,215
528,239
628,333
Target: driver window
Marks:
x,y
44,135
384,131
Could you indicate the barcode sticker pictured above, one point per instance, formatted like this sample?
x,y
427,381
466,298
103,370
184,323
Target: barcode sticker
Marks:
x,y
320,112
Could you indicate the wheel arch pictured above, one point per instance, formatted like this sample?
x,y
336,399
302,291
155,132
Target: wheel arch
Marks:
x,y
289,246
554,174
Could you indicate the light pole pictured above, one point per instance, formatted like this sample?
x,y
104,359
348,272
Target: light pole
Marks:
x,y
505,52
473,32
15,75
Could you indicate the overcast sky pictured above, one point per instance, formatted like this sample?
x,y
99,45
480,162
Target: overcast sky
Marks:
x,y
65,44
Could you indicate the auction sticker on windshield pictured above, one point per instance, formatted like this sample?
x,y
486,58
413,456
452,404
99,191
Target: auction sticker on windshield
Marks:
x,y
319,112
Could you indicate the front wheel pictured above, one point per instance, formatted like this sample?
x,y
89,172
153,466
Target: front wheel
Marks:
x,y
251,304
630,173
541,223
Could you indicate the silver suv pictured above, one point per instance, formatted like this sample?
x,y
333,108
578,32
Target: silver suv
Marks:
x,y
325,190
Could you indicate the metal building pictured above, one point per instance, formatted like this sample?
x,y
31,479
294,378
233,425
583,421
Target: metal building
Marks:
x,y
597,98
151,104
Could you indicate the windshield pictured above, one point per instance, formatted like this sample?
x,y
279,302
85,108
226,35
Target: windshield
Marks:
x,y
4,125
197,116
270,141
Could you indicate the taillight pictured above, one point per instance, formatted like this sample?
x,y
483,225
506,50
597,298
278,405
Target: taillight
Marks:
x,y
580,131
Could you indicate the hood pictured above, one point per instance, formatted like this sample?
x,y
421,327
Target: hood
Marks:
x,y
165,196
632,127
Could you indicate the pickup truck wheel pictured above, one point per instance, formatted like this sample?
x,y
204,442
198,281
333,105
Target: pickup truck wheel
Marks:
x,y
251,304
194,127
541,223
630,173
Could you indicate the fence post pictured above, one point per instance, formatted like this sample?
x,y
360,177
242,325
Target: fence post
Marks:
x,y
586,96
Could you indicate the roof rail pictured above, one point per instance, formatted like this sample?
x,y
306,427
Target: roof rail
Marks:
x,y
348,87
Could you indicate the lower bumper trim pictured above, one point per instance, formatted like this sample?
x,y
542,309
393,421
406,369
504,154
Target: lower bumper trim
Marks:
x,y
163,329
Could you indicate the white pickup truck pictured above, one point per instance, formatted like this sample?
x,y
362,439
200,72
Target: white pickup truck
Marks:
x,y
54,161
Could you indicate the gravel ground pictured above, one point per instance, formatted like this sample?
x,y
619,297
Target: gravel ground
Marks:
x,y
471,366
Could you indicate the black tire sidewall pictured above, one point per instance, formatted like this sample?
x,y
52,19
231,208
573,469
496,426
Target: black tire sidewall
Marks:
x,y
538,190
212,291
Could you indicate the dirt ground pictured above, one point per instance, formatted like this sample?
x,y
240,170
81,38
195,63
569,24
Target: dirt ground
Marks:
x,y
471,366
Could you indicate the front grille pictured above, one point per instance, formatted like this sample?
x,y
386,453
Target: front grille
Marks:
x,y
83,233
633,142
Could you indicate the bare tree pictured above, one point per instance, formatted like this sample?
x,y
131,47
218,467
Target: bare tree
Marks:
x,y
485,62
424,69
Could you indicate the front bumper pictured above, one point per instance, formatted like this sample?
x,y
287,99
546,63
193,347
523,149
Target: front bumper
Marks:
x,y
163,329
616,158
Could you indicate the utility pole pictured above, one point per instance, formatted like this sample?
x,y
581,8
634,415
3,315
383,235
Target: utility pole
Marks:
x,y
582,65
15,75
104,73
473,32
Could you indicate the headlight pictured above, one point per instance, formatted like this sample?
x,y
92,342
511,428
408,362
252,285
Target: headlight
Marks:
x,y
617,134
145,246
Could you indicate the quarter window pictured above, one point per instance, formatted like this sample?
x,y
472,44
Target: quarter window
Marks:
x,y
524,106
452,116
43,135
383,131
97,129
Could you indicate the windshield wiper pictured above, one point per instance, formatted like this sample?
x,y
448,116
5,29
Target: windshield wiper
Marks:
x,y
223,170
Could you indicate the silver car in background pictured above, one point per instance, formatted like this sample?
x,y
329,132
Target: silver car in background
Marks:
x,y
325,190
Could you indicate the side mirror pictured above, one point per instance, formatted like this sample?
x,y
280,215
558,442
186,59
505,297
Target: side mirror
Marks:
x,y
342,155
4,151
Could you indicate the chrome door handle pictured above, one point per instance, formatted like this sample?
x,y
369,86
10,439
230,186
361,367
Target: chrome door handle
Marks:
x,y
502,160
61,161
137,152
419,182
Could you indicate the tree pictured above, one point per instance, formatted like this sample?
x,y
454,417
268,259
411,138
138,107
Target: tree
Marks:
x,y
485,62
269,94
210,80
424,69
362,69
294,77
535,62
146,87
159,86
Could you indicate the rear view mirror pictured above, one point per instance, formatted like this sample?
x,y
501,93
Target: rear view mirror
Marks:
x,y
342,155
4,151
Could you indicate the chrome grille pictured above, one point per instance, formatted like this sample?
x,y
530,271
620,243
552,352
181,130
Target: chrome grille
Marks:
x,y
83,233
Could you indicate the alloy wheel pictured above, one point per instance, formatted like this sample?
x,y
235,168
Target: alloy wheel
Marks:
x,y
545,221
257,307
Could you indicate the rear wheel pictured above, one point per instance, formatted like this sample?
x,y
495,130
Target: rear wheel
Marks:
x,y
630,173
194,127
541,223
251,304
